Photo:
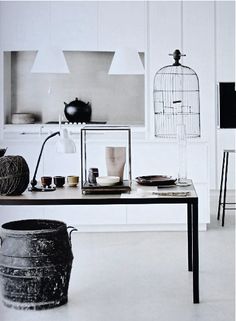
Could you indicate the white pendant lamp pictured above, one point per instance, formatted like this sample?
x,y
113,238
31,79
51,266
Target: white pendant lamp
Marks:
x,y
126,61
50,60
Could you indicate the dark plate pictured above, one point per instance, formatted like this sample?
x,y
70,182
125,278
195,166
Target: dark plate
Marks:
x,y
155,180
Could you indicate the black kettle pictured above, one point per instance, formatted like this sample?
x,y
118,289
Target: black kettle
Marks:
x,y
77,111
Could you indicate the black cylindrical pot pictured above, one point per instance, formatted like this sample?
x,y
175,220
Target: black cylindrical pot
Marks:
x,y
35,264
78,111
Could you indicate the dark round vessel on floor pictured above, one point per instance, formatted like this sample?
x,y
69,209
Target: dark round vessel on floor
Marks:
x,y
35,264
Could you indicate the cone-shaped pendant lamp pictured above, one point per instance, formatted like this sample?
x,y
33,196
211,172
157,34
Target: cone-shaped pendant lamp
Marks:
x,y
50,60
126,61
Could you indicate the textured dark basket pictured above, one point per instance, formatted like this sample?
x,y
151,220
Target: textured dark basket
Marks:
x,y
14,175
35,264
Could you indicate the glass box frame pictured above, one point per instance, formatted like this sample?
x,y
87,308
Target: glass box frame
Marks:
x,y
88,187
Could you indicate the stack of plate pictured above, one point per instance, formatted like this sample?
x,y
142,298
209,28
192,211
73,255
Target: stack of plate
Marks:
x,y
22,118
155,180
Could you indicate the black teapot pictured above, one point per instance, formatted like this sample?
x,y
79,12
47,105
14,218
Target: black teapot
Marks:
x,y
78,111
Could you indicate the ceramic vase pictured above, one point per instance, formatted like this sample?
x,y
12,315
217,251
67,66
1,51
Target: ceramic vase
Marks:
x,y
115,161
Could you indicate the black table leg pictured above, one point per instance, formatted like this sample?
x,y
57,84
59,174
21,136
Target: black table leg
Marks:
x,y
225,188
195,253
221,186
190,243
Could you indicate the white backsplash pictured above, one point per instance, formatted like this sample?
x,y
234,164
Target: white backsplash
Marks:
x,y
116,99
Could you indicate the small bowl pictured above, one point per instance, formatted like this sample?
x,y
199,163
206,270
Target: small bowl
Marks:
x,y
46,181
107,180
72,180
59,181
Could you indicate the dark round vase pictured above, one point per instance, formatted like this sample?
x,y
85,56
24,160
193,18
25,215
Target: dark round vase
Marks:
x,y
78,111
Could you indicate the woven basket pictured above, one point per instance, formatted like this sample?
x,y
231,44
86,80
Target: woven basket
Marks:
x,y
14,175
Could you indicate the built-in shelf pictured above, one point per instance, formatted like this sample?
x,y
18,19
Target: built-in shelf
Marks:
x,y
113,98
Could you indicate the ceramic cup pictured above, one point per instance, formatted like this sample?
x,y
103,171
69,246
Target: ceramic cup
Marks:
x,y
59,181
46,181
72,180
92,174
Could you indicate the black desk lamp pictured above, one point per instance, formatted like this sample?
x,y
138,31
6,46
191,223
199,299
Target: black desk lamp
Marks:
x,y
64,145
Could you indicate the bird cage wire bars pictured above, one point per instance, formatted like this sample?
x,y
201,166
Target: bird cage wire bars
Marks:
x,y
176,100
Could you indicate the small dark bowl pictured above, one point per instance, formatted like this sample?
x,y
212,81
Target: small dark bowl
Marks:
x,y
46,181
59,181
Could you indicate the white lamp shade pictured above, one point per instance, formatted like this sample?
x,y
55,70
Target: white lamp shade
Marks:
x,y
65,144
50,60
126,61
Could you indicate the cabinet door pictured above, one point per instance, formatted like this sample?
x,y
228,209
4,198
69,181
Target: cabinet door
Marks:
x,y
164,38
24,25
30,25
199,46
165,33
167,215
157,214
15,213
121,24
88,215
74,25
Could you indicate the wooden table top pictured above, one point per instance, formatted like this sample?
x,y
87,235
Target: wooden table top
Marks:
x,y
73,196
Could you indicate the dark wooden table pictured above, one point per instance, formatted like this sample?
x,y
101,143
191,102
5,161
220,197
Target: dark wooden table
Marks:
x,y
139,195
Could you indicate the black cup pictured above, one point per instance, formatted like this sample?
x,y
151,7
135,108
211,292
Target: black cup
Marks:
x,y
59,181
46,181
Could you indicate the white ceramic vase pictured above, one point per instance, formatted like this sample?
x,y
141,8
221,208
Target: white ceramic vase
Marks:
x,y
115,161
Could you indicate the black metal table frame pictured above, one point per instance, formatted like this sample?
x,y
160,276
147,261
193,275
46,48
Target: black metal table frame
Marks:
x,y
223,182
192,218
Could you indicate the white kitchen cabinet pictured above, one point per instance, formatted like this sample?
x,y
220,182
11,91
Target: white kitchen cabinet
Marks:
x,y
171,216
24,25
164,36
84,215
164,33
78,216
31,25
122,24
75,26
14,213
198,23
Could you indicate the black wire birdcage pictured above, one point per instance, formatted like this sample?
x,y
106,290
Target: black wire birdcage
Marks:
x,y
176,100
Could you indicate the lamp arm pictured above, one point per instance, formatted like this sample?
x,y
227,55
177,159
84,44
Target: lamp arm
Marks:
x,y
34,182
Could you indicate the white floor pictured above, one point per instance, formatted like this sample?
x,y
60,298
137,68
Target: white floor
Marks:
x,y
143,276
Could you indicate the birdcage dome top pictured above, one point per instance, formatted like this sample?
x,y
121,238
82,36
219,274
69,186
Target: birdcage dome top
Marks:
x,y
178,70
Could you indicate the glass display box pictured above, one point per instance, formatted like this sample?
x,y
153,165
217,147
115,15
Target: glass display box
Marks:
x,y
105,159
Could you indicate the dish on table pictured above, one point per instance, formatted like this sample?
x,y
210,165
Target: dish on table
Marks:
x,y
155,180
107,180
